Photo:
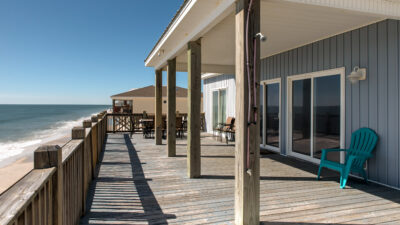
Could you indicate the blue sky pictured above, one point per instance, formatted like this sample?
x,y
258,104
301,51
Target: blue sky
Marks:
x,y
78,51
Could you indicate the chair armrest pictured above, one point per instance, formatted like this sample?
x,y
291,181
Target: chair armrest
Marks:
x,y
335,150
325,151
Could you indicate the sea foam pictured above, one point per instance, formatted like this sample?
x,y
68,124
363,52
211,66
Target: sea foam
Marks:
x,y
12,151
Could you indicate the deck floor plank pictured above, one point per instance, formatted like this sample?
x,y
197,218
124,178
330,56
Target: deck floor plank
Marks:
x,y
139,184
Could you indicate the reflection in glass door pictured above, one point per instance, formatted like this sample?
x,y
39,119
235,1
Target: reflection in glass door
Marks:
x,y
301,116
316,114
271,114
326,116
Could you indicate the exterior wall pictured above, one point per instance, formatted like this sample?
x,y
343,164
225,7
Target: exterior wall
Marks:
x,y
148,105
372,103
214,83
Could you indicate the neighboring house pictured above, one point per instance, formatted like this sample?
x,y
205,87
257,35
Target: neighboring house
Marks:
x,y
142,99
219,98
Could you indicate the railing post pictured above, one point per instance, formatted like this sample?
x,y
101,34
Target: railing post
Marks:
x,y
94,144
113,119
46,157
99,133
79,133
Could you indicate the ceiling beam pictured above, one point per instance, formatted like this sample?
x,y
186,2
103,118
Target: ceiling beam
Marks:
x,y
207,68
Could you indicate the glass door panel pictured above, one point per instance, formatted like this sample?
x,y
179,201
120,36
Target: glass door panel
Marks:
x,y
301,116
222,106
215,109
272,114
326,116
262,114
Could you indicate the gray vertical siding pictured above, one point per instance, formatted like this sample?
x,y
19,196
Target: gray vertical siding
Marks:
x,y
372,103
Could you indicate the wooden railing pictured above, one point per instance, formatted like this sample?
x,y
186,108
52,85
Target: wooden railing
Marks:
x,y
55,191
122,122
125,122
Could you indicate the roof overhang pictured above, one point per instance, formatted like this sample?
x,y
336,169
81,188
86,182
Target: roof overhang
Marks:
x,y
286,23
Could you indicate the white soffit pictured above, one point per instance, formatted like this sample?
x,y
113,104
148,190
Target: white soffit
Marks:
x,y
286,23
196,18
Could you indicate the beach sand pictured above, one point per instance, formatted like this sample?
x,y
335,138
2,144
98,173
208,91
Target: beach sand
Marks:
x,y
13,172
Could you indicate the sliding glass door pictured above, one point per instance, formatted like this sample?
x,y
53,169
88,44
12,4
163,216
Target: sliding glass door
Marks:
x,y
270,122
316,114
218,107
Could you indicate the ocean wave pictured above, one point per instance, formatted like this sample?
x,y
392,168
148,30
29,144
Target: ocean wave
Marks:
x,y
11,151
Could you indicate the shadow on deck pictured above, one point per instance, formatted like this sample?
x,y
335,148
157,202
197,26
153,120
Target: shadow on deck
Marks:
x,y
138,183
121,192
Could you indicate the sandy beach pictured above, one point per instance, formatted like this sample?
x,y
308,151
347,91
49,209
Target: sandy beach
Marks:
x,y
13,172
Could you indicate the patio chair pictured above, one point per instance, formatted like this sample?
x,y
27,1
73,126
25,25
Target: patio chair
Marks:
x,y
224,126
179,127
363,142
230,133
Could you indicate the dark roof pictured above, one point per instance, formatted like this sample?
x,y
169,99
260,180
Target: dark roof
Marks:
x,y
169,25
149,91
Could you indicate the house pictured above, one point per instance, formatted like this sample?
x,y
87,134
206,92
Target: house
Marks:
x,y
307,74
219,92
142,99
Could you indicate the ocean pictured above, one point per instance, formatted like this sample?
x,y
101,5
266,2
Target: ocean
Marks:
x,y
24,127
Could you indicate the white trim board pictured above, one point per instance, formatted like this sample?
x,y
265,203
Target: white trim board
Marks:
x,y
290,79
264,83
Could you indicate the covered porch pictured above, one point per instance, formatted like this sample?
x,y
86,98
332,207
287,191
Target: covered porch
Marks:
x,y
231,37
137,183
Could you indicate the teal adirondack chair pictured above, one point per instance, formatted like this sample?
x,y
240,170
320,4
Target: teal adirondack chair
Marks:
x,y
363,142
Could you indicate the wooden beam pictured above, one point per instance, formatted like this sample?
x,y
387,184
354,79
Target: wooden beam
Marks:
x,y
194,104
171,114
206,68
48,156
247,168
158,107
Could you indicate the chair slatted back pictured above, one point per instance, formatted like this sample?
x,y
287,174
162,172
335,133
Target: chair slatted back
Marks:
x,y
364,141
179,123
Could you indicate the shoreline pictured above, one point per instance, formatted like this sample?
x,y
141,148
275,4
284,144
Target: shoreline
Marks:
x,y
20,166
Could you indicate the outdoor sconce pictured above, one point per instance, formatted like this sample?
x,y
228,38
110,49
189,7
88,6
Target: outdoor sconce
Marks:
x,y
357,74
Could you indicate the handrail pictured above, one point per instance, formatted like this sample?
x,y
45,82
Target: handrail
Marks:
x,y
55,191
21,199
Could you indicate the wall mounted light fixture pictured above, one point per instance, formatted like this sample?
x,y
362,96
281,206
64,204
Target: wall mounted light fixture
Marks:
x,y
357,74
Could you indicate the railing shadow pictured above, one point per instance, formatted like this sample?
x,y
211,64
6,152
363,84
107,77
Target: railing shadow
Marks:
x,y
152,210
125,197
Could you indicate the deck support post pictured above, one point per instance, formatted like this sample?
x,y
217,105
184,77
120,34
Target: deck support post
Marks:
x,y
113,105
158,107
247,173
171,115
48,156
194,104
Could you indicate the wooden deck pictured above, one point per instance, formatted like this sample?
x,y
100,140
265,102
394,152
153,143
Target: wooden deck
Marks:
x,y
138,184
